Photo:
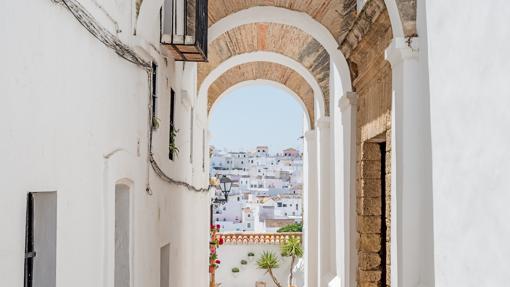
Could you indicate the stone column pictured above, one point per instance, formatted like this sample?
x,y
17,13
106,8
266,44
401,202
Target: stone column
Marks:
x,y
311,217
411,167
326,198
347,200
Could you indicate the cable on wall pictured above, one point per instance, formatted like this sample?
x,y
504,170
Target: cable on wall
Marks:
x,y
124,51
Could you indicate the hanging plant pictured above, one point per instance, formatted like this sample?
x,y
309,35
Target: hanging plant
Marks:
x,y
172,146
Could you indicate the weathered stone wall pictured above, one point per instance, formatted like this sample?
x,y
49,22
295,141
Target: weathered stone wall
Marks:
x,y
373,209
372,82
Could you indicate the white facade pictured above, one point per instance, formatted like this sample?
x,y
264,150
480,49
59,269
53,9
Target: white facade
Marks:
x,y
75,123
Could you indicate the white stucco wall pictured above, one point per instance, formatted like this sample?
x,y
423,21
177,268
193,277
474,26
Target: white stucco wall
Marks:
x,y
469,65
231,256
67,101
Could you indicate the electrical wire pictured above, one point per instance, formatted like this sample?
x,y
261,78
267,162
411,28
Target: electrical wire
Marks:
x,y
113,42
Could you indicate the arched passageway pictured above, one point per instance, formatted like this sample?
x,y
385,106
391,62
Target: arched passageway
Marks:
x,y
342,55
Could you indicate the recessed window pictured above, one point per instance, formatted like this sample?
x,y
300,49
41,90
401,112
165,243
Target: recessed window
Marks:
x,y
172,132
154,83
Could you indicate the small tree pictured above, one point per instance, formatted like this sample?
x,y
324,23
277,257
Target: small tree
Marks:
x,y
268,261
292,248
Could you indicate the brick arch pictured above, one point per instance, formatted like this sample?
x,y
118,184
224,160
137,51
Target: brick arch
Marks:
x,y
263,71
279,38
332,14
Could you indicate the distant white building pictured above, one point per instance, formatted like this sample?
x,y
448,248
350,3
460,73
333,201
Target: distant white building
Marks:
x,y
265,188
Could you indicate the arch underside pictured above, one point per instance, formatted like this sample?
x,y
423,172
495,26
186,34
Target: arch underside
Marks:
x,y
271,37
263,71
332,14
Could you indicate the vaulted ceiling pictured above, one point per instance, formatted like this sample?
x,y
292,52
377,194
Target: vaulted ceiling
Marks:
x,y
340,17
283,39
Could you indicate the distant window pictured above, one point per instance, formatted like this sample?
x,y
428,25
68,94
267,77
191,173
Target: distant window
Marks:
x,y
154,84
249,215
285,213
249,225
171,132
238,198
224,219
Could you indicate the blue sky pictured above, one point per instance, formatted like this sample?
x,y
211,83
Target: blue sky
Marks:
x,y
257,115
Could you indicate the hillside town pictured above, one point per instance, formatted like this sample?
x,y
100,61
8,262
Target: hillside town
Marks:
x,y
266,192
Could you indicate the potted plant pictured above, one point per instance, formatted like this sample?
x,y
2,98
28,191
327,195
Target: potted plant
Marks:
x,y
235,272
251,256
292,248
214,243
269,261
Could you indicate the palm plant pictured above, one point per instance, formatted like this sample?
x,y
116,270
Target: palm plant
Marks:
x,y
292,248
268,261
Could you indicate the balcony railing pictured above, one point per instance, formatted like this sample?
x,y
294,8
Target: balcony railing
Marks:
x,y
257,238
184,29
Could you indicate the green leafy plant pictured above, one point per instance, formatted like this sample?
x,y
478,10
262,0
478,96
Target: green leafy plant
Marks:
x,y
155,122
235,270
294,227
292,248
172,146
244,262
251,254
269,261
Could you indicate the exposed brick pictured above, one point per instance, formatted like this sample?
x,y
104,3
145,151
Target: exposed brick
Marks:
x,y
371,151
369,261
370,242
370,187
388,140
371,169
388,183
369,276
369,206
369,224
388,162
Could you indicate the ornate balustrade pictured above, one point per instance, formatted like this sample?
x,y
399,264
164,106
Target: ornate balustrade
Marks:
x,y
245,238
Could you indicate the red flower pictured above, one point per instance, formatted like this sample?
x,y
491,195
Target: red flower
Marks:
x,y
220,241
217,261
218,226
